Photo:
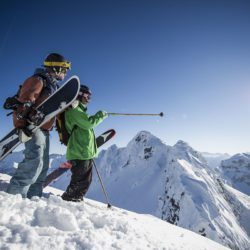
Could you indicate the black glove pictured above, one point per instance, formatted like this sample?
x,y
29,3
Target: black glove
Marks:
x,y
23,110
11,103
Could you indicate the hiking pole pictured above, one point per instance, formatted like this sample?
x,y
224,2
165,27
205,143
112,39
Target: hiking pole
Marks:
x,y
160,114
103,189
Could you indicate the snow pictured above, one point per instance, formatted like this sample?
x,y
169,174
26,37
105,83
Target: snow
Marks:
x,y
51,223
236,171
241,204
173,183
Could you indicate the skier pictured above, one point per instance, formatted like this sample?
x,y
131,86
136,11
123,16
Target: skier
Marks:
x,y
32,171
81,148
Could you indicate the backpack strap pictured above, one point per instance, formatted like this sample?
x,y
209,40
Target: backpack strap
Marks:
x,y
49,84
43,78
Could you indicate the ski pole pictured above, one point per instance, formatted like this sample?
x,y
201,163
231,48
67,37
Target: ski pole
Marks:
x,y
103,189
9,113
160,114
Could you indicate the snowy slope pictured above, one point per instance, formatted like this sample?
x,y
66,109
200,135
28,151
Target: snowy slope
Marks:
x,y
173,183
240,204
51,223
236,171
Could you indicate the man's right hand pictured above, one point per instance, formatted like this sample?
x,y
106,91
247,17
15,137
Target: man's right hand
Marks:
x,y
23,110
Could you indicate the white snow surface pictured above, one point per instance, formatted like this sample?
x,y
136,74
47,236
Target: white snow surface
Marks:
x,y
51,223
173,183
236,172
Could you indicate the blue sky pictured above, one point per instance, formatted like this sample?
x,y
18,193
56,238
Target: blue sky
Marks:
x,y
188,59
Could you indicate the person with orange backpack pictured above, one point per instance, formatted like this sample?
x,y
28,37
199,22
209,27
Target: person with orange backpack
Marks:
x,y
31,172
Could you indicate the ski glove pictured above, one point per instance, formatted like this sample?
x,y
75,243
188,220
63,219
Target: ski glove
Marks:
x,y
102,114
23,110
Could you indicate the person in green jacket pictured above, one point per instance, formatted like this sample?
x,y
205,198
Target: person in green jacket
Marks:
x,y
81,148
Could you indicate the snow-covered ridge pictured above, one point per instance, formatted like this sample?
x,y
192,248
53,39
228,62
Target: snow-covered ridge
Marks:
x,y
177,185
236,171
173,183
51,223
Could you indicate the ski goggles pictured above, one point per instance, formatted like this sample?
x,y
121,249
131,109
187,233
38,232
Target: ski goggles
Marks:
x,y
86,95
66,65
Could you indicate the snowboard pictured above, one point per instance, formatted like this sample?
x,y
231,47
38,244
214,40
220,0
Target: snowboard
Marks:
x,y
100,140
48,109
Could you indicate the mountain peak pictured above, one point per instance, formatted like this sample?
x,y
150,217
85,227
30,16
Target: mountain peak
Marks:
x,y
183,149
144,138
142,135
182,143
184,146
144,145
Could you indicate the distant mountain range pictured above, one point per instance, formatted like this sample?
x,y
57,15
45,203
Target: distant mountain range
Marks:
x,y
236,172
175,183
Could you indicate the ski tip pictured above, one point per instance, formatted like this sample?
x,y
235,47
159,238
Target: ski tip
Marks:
x,y
161,114
74,76
110,131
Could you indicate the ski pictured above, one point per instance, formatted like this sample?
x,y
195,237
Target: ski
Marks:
x,y
47,110
64,167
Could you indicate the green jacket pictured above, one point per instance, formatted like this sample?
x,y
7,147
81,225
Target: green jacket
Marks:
x,y
82,143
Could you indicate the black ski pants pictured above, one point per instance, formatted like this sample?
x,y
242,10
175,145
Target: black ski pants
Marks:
x,y
80,180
